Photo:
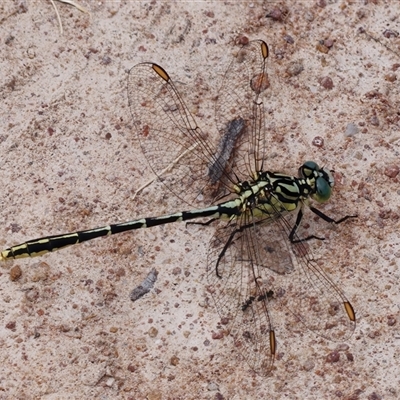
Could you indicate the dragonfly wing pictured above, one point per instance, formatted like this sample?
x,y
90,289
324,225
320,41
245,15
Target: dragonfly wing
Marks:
x,y
239,101
299,283
240,297
178,151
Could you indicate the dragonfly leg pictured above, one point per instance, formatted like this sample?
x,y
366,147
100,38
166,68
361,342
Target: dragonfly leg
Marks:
x,y
329,219
209,222
227,244
322,216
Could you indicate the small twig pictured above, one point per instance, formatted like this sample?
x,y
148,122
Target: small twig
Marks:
x,y
377,40
166,169
76,5
70,2
58,17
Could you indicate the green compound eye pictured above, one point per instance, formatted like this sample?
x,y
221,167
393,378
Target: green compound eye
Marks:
x,y
311,166
323,190
323,180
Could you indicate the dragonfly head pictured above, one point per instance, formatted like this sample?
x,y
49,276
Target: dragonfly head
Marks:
x,y
319,179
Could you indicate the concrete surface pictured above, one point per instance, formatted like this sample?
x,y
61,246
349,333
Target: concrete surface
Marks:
x,y
68,161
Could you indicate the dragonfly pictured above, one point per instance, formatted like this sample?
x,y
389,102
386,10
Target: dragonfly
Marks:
x,y
257,264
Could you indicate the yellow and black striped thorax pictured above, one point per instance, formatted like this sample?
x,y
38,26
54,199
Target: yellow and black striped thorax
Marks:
x,y
273,192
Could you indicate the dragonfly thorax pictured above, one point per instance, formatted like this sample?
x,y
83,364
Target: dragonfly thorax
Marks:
x,y
273,192
270,193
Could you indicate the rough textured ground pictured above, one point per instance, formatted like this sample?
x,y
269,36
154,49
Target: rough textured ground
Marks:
x,y
68,329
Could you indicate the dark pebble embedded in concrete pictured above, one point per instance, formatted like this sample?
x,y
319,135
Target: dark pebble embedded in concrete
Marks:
x,y
333,357
391,171
374,120
326,82
15,273
174,360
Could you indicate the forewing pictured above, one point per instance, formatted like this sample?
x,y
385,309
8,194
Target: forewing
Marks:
x,y
175,147
178,151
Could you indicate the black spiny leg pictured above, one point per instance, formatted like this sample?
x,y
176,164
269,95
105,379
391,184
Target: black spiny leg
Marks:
x,y
329,219
227,244
320,215
202,223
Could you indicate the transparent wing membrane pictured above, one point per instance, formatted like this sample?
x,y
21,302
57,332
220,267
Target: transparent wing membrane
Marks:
x,y
244,84
175,147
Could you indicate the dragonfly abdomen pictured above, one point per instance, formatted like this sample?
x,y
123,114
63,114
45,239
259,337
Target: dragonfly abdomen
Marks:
x,y
47,244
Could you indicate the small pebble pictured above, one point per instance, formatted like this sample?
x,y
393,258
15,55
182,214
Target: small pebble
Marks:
x,y
391,171
174,361
131,368
153,332
217,335
391,320
326,82
374,334
113,7
374,396
11,325
308,365
110,382
294,68
342,347
145,286
106,60
176,271
15,273
388,33
333,357
309,16
288,39
390,77
243,40
374,120
322,48
154,395
351,130
277,15
31,53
